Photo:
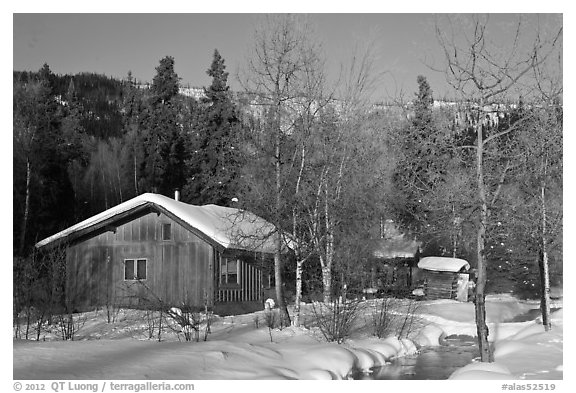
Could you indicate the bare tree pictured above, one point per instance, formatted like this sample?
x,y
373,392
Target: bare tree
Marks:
x,y
538,197
277,75
340,161
549,154
485,76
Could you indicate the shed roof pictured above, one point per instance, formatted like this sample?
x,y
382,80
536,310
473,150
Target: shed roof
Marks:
x,y
443,264
226,227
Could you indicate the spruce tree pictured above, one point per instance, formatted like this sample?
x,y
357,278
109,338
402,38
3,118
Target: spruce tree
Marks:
x,y
160,132
214,155
166,83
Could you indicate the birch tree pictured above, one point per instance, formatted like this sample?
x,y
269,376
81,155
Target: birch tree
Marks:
x,y
340,163
486,76
275,76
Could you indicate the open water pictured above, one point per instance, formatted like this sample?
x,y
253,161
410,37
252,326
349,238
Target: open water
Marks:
x,y
438,362
430,363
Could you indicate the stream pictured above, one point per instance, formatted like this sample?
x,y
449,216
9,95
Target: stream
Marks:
x,y
438,362
430,363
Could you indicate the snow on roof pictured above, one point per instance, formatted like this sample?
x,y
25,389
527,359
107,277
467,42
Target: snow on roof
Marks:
x,y
443,264
393,243
229,227
394,248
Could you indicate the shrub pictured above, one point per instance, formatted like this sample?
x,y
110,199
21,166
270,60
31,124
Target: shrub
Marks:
x,y
337,320
394,317
383,317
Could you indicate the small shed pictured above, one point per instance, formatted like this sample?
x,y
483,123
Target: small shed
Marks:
x,y
445,278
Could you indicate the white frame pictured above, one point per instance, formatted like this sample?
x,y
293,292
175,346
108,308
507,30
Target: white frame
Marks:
x,y
226,273
135,262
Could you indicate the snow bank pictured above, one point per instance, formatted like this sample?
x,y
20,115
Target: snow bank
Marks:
x,y
529,353
236,349
482,371
290,356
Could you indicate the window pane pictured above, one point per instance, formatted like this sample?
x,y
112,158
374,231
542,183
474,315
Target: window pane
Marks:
x,y
222,270
232,267
141,269
129,269
232,278
166,231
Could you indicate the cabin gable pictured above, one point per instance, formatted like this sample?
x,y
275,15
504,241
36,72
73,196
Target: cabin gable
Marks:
x,y
175,265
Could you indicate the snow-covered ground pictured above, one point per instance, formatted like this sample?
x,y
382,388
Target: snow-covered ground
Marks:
x,y
238,349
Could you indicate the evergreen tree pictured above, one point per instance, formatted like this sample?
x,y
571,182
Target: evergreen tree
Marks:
x,y
42,191
166,82
214,160
160,131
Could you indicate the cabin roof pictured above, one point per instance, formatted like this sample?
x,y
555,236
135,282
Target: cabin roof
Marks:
x,y
397,247
443,264
393,243
224,227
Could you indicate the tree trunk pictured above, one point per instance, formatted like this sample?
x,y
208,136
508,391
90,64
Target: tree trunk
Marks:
x,y
329,249
299,263
480,306
297,251
135,174
543,265
26,208
285,317
327,283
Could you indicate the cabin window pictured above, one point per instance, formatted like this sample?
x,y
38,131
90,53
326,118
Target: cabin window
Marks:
x,y
229,271
166,231
135,269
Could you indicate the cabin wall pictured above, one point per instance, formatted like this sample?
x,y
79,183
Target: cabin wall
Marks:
x,y
179,270
440,285
249,285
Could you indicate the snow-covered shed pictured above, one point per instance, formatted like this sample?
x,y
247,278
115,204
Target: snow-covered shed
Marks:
x,y
153,247
445,278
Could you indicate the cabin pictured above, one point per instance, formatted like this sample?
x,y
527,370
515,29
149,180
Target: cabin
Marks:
x,y
445,278
153,249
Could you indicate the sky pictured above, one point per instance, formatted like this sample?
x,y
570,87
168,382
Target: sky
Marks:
x,y
113,44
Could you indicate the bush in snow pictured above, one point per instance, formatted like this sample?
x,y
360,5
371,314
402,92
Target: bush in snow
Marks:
x,y
154,323
383,317
407,319
394,317
69,324
337,320
188,320
38,291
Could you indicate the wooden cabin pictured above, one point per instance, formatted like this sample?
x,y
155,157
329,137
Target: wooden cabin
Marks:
x,y
445,278
153,249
